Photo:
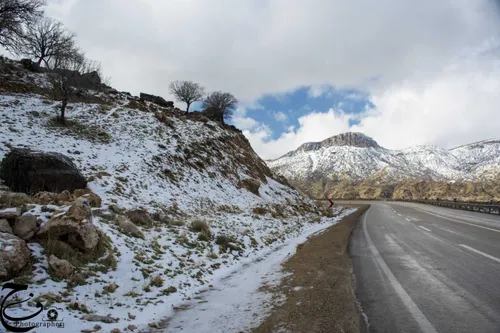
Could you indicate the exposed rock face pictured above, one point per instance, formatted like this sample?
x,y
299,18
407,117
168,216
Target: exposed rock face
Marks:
x,y
5,226
73,227
60,268
157,100
29,171
345,139
14,255
25,226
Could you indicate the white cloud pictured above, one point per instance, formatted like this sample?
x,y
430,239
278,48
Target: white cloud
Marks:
x,y
312,127
253,47
280,116
458,105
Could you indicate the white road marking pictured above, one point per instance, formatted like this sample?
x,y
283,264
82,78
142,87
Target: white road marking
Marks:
x,y
453,220
420,318
399,214
407,219
479,252
429,230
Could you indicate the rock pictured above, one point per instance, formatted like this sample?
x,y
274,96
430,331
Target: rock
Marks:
x,y
25,226
157,100
10,213
30,171
90,80
93,199
115,209
102,319
128,227
139,217
13,199
5,226
116,330
75,227
64,196
14,255
81,191
45,198
60,268
30,65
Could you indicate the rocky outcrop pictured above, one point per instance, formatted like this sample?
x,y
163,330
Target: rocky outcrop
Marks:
x,y
60,268
345,139
14,255
30,171
25,226
157,100
73,227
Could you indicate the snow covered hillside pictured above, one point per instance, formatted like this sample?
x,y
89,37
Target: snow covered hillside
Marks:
x,y
341,159
212,202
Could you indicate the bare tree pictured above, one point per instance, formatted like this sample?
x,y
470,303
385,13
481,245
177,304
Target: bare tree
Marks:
x,y
220,105
187,92
14,16
47,41
68,76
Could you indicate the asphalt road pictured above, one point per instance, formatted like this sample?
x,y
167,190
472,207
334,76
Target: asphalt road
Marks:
x,y
422,268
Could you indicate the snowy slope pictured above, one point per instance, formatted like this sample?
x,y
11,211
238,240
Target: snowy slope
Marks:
x,y
187,169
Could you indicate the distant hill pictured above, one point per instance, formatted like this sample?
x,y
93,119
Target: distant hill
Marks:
x,y
353,165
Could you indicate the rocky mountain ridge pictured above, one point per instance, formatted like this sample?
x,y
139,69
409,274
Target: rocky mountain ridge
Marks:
x,y
344,168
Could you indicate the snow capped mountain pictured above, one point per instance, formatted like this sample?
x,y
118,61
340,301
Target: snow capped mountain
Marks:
x,y
356,158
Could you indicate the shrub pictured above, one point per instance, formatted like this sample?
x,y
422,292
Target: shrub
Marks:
x,y
199,226
156,281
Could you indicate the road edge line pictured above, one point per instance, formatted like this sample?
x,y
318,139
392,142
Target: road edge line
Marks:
x,y
417,314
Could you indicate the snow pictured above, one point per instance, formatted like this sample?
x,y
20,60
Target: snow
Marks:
x,y
218,310
470,162
130,170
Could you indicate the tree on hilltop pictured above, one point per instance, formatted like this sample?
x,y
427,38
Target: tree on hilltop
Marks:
x,y
220,105
187,92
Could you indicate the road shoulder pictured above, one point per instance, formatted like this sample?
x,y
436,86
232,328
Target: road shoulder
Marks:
x,y
319,289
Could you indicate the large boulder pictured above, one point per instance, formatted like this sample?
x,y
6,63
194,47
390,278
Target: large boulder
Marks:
x,y
157,100
60,268
30,171
14,255
25,226
73,227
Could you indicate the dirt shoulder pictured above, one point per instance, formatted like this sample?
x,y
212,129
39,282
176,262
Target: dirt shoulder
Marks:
x,y
319,291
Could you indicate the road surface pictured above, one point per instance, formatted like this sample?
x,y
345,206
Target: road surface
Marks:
x,y
422,268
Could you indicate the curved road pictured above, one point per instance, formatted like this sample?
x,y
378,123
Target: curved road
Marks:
x,y
422,268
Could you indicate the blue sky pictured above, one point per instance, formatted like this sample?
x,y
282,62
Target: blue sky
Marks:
x,y
280,111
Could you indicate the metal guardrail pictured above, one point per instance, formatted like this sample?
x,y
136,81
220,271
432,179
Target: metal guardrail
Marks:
x,y
473,207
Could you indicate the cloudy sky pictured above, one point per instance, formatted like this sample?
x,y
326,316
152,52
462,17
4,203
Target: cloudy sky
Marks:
x,y
404,72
